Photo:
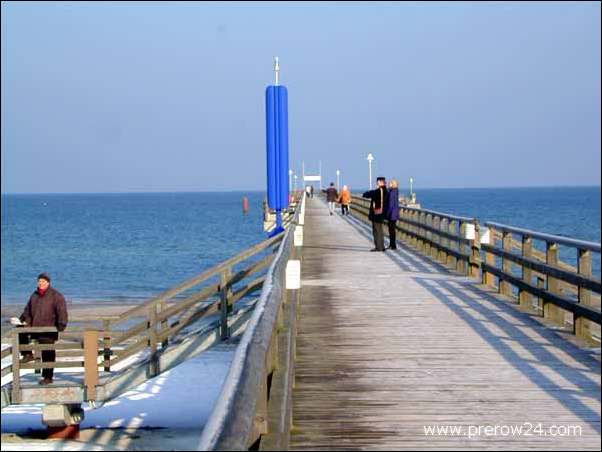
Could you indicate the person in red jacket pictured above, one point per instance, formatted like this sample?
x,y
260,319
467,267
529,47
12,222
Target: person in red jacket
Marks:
x,y
46,308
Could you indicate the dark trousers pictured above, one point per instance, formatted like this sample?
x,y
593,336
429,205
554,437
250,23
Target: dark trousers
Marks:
x,y
392,229
48,356
379,237
344,209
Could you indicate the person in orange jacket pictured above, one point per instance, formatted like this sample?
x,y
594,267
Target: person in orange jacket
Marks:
x,y
345,200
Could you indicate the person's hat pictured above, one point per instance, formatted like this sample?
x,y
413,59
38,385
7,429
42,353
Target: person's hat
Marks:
x,y
45,276
380,178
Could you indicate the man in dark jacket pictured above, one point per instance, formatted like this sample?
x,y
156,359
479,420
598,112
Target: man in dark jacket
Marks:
x,y
46,308
377,214
331,197
393,213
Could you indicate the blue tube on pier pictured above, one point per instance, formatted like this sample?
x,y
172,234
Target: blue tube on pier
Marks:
x,y
276,101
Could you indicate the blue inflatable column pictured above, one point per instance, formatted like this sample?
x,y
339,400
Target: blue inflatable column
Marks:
x,y
276,106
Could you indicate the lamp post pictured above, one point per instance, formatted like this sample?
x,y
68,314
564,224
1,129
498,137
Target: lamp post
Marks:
x,y
295,177
338,180
411,186
370,158
290,180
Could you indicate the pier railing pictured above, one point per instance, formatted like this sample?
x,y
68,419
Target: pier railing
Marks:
x,y
505,258
254,409
564,294
141,334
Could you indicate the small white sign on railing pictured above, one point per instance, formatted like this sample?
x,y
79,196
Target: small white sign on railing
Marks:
x,y
302,219
298,235
293,274
469,233
485,236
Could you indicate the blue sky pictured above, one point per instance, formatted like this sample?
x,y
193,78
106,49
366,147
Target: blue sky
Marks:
x,y
111,97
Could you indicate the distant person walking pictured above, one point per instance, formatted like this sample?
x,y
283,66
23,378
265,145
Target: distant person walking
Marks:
x,y
308,191
331,197
311,191
46,307
378,207
345,200
393,212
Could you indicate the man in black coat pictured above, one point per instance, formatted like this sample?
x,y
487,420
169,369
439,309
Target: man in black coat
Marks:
x,y
378,208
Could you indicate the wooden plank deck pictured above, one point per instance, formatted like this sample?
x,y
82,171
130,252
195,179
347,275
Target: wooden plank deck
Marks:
x,y
389,343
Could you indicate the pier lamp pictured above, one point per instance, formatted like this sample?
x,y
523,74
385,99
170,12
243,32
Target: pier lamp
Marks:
x,y
338,180
370,159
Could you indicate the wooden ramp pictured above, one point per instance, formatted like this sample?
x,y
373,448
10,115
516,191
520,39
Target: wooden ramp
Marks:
x,y
391,343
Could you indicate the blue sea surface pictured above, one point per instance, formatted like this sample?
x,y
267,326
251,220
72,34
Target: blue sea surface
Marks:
x,y
129,247
117,247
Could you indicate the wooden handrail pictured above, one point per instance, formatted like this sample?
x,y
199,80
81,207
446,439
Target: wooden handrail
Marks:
x,y
240,416
561,240
170,293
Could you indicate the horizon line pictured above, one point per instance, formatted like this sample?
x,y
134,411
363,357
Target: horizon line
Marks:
x,y
263,190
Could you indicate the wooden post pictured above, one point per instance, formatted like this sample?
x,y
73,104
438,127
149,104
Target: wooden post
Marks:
x,y
416,218
153,340
404,225
541,283
37,355
584,267
91,363
106,326
223,291
489,278
551,311
453,243
445,222
440,255
428,235
164,324
273,351
260,423
505,287
421,218
461,265
16,384
435,237
475,255
419,241
527,251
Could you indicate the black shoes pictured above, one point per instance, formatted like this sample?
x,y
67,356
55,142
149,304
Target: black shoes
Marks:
x,y
45,381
